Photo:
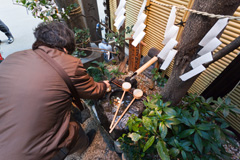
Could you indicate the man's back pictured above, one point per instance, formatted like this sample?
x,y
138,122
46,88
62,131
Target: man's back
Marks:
x,y
34,104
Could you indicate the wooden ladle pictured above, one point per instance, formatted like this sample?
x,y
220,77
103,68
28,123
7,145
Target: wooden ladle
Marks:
x,y
126,86
137,94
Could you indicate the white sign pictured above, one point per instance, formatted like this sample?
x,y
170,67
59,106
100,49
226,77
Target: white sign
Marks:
x,y
201,60
192,73
172,33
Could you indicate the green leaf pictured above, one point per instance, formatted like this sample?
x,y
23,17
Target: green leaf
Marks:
x,y
204,127
227,100
163,130
196,115
174,152
198,142
174,121
209,100
225,112
152,113
236,110
147,122
186,133
170,111
134,136
162,150
184,155
149,143
219,100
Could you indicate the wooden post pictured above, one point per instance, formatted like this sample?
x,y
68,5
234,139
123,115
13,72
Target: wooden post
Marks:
x,y
134,56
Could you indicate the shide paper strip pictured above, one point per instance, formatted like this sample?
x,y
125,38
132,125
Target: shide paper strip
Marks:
x,y
192,73
214,31
171,30
210,46
122,12
138,39
201,60
120,6
171,43
171,20
139,21
169,59
139,30
142,8
120,21
172,33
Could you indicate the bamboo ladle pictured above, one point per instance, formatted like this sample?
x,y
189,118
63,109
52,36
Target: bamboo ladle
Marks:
x,y
126,86
137,94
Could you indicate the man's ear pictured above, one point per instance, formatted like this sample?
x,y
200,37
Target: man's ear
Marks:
x,y
65,50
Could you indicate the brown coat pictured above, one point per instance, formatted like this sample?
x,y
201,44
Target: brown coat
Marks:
x,y
35,103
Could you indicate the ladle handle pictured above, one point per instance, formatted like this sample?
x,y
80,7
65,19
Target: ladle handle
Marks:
x,y
117,109
122,115
146,65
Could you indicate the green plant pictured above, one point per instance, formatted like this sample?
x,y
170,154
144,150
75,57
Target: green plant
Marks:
x,y
82,37
192,130
46,10
78,53
118,36
99,73
157,76
116,73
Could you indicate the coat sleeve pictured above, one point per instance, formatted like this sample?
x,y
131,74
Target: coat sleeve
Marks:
x,y
87,88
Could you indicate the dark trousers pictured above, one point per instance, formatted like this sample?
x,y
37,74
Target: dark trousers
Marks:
x,y
5,29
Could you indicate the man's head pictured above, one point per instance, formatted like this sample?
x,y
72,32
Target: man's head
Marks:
x,y
54,35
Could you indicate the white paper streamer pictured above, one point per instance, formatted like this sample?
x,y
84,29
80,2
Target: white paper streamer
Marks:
x,y
201,60
120,6
142,8
120,21
167,48
192,73
139,30
138,39
122,12
172,33
210,46
171,20
169,59
214,31
140,20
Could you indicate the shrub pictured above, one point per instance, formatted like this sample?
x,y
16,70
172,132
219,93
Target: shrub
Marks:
x,y
192,130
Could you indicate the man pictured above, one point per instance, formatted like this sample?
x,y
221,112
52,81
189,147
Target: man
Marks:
x,y
7,32
35,102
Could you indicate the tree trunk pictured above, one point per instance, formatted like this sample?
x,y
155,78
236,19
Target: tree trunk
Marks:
x,y
76,20
195,29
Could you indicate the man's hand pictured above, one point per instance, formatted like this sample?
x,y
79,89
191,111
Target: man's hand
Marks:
x,y
108,85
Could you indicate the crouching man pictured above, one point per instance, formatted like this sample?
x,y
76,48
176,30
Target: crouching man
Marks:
x,y
35,102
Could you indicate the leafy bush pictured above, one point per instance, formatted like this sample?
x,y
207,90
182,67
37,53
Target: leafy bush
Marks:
x,y
192,130
157,76
99,73
82,37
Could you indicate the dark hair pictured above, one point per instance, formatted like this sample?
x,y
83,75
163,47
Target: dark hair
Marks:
x,y
54,35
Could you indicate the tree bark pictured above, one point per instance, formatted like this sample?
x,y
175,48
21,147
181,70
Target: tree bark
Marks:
x,y
195,29
76,20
